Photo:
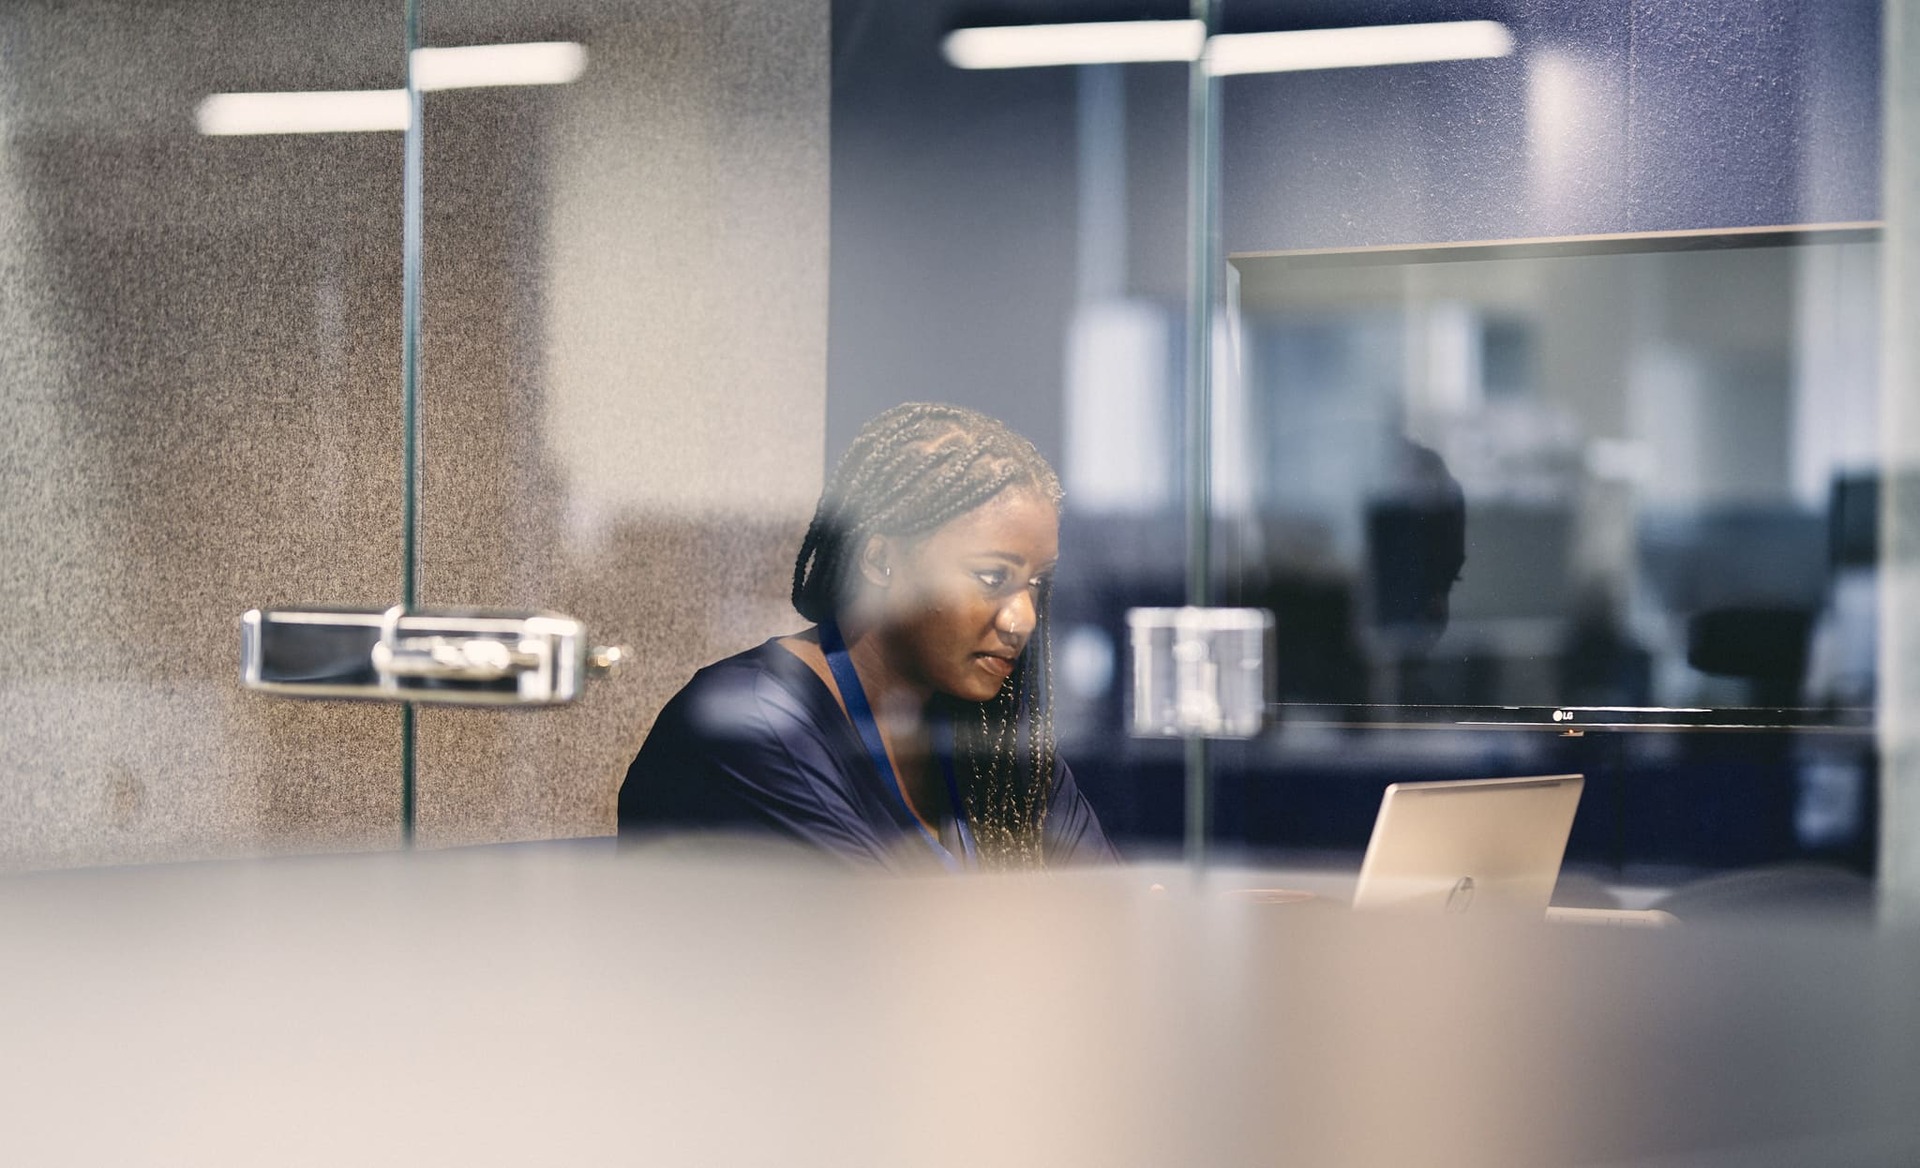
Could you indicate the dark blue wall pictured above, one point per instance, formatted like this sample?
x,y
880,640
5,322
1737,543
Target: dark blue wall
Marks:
x,y
1684,114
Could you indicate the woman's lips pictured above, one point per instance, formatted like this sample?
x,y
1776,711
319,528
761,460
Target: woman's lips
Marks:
x,y
1000,667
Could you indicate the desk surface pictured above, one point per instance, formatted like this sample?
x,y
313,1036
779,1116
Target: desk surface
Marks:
x,y
516,1007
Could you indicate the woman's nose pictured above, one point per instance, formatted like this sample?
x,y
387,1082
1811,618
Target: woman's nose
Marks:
x,y
1017,616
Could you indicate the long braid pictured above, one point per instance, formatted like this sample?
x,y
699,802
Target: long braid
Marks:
x,y
907,472
1008,748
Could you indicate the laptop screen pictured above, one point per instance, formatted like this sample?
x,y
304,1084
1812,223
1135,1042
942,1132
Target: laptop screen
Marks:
x,y
1479,845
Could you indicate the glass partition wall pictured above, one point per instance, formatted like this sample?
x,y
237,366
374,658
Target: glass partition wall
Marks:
x,y
623,351
1528,382
1014,237
202,344
1549,432
1530,387
610,402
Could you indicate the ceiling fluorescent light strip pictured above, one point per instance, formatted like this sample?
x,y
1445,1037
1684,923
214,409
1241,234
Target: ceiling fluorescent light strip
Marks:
x,y
1108,43
1353,48
351,111
1034,45
364,110
475,66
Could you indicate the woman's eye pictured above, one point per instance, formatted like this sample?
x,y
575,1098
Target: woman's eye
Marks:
x,y
992,578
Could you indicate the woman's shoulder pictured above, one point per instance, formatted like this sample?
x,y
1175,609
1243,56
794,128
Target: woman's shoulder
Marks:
x,y
769,661
748,742
763,685
762,659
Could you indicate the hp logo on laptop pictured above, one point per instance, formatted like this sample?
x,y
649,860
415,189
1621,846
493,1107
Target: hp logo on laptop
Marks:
x,y
1462,895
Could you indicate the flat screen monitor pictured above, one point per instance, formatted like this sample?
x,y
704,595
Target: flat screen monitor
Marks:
x,y
1623,480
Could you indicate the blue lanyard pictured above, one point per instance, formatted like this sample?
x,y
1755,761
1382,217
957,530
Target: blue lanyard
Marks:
x,y
855,697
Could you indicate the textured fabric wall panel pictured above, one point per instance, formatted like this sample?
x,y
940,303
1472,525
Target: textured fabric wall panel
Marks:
x,y
200,345
624,371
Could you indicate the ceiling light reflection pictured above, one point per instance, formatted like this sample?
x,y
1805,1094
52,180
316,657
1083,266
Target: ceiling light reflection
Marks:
x,y
1352,48
474,66
351,111
363,110
1029,45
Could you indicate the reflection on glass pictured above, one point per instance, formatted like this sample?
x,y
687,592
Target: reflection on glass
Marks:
x,y
1563,474
1355,48
480,66
365,110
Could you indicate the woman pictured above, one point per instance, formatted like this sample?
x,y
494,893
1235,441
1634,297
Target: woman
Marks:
x,y
910,724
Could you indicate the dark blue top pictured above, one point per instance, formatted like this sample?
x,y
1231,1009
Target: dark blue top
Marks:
x,y
757,743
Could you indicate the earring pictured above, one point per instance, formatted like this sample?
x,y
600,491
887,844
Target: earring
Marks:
x,y
886,573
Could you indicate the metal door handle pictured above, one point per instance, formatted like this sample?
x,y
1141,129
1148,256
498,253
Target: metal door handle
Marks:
x,y
449,656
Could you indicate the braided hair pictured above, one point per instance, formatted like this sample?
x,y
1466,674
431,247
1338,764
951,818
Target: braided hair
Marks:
x,y
909,471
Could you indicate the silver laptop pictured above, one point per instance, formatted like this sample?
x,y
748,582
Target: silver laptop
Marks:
x,y
1477,846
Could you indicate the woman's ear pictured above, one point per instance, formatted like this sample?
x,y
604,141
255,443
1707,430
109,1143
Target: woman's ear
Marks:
x,y
876,561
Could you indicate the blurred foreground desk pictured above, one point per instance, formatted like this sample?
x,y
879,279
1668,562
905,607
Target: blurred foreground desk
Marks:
x,y
516,1007
1319,888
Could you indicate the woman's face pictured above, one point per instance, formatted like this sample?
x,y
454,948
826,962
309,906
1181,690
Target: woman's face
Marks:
x,y
962,601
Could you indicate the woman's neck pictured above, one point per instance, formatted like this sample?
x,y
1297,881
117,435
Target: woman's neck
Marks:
x,y
893,695
900,710
899,705
898,702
